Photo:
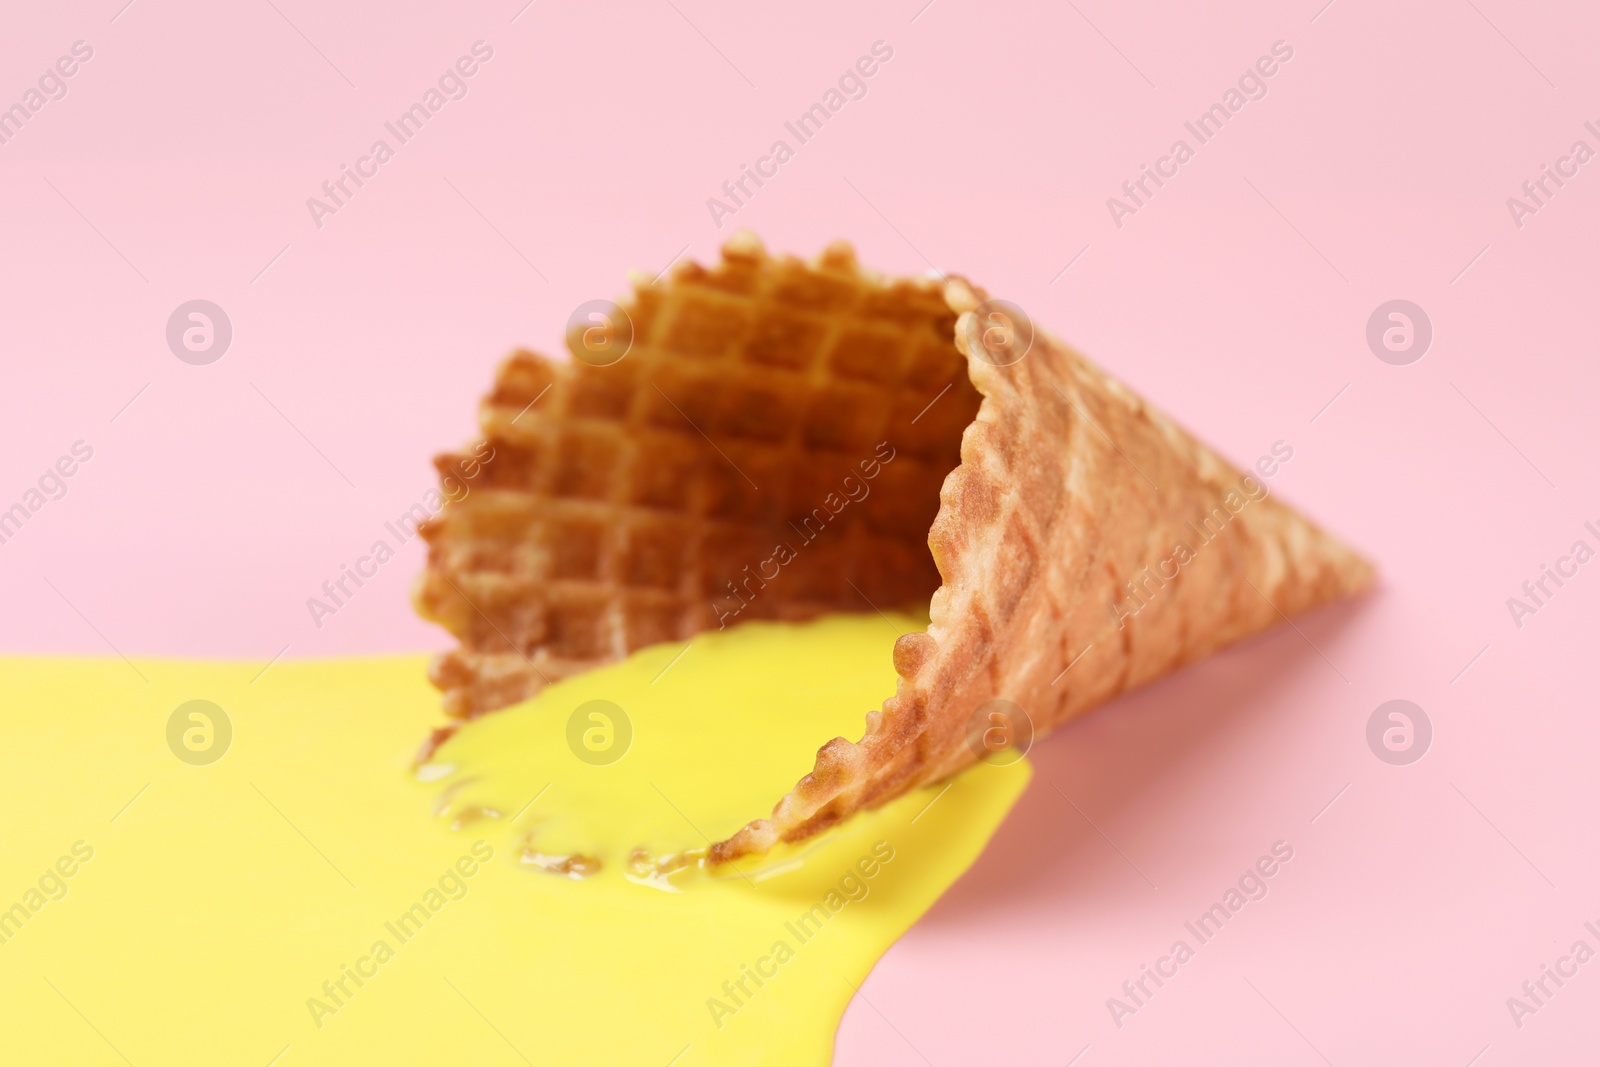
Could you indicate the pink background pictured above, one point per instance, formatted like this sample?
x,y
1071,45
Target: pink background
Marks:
x,y
1377,167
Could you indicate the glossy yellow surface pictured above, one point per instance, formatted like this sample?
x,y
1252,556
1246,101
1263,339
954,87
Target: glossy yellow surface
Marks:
x,y
303,897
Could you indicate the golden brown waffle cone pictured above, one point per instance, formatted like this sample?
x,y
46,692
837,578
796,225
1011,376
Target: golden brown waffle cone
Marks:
x,y
768,402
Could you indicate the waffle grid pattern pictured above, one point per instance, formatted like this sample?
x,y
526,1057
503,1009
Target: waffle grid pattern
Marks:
x,y
642,501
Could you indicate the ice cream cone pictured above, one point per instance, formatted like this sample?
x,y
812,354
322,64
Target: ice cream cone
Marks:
x,y
769,438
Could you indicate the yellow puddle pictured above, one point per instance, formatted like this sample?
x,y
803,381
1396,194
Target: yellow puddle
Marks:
x,y
306,896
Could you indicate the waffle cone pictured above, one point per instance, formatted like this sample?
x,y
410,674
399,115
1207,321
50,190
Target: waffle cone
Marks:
x,y
858,422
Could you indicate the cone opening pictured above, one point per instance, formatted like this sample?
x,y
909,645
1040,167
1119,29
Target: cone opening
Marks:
x,y
772,445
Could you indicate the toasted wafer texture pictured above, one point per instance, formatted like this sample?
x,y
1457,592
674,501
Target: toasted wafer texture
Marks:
x,y
785,439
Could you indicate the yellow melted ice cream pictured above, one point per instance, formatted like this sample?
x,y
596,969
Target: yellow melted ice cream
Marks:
x,y
305,896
